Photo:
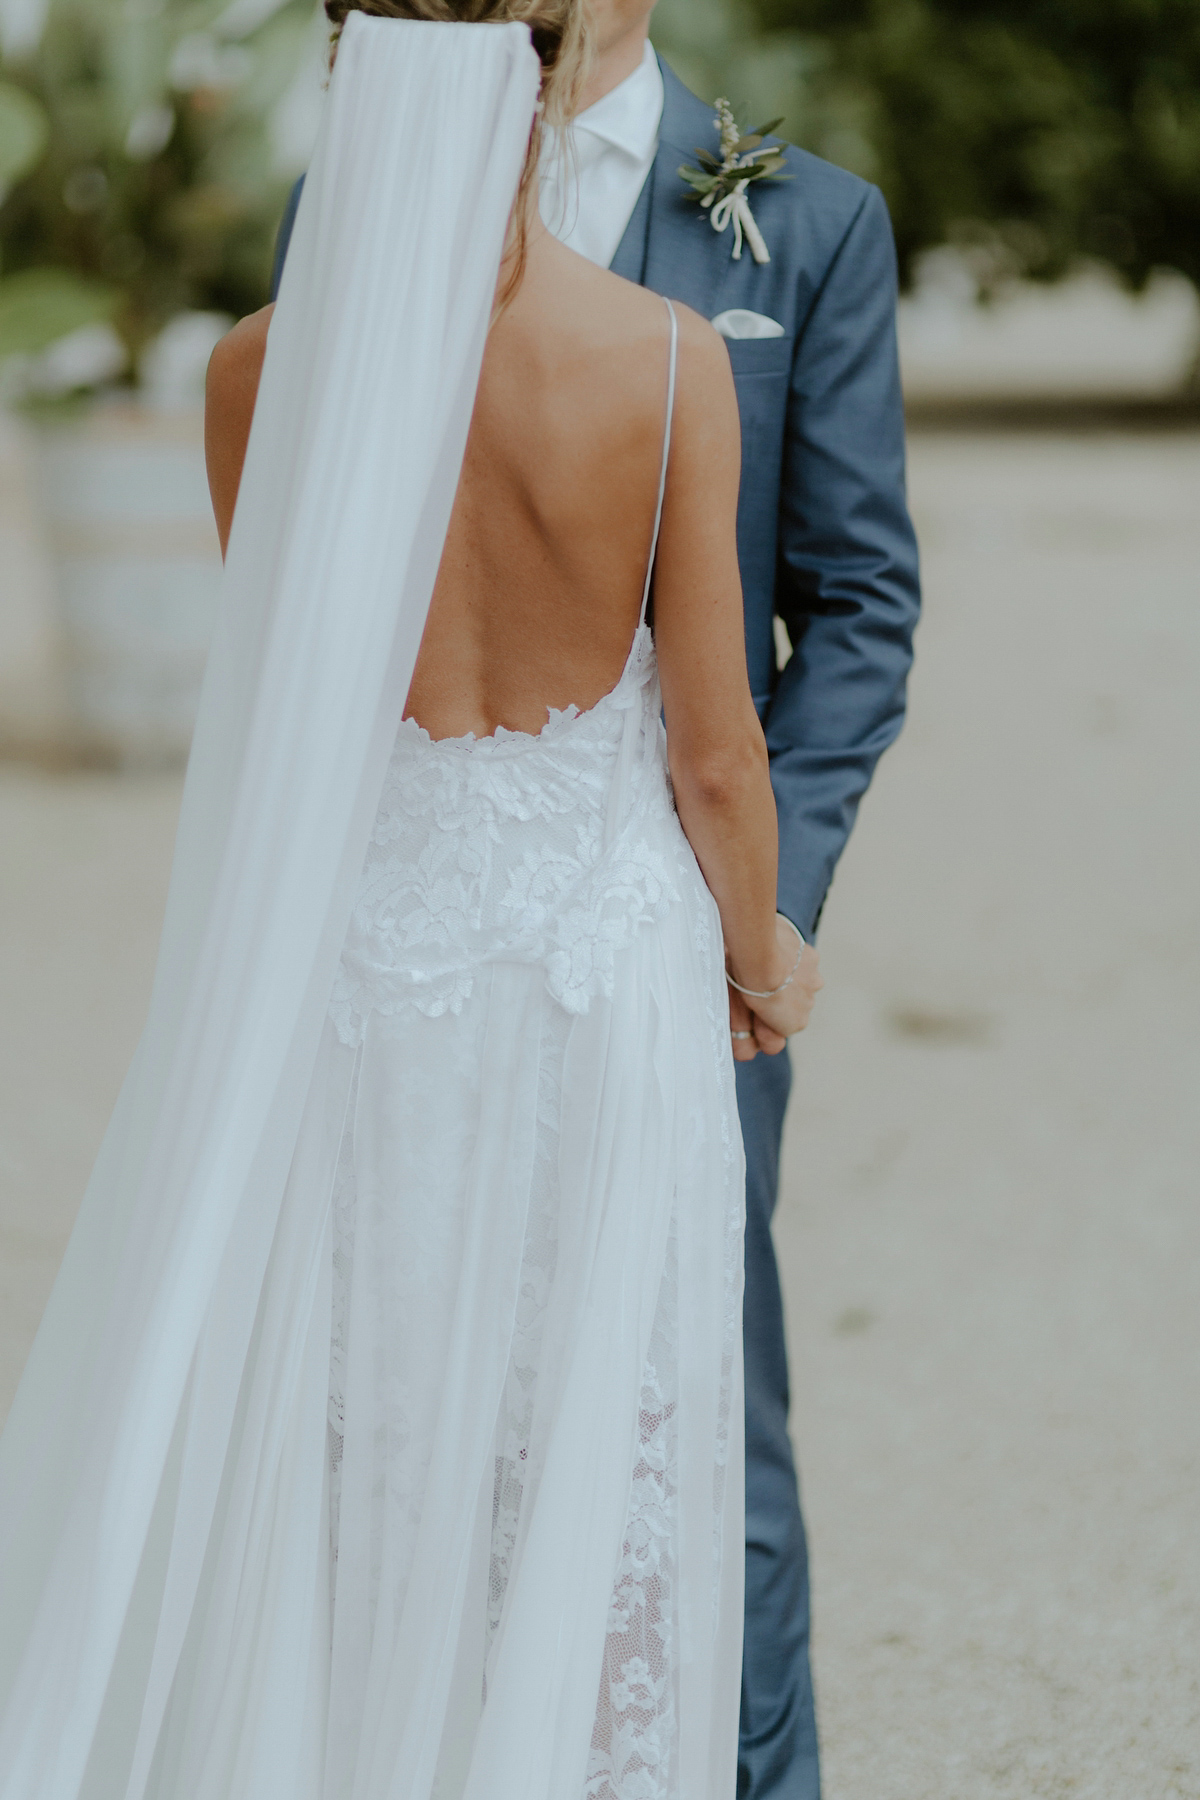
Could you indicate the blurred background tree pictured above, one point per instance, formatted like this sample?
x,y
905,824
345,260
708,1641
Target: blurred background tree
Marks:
x,y
1033,133
146,147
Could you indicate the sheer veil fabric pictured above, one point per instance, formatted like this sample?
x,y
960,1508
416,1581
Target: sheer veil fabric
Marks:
x,y
112,1457
382,1439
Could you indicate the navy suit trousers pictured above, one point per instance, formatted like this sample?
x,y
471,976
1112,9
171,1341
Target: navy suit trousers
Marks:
x,y
777,1755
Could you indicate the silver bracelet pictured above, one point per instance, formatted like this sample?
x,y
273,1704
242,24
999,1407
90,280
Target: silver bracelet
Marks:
x,y
754,993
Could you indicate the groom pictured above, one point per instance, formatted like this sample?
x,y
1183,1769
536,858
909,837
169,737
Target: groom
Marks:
x,y
825,544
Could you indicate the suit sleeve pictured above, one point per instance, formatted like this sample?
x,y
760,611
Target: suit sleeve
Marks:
x,y
283,237
847,583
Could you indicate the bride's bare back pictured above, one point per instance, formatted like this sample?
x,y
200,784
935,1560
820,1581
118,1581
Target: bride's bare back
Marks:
x,y
541,579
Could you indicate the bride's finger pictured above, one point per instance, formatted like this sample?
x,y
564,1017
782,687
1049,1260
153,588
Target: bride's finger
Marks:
x,y
741,1029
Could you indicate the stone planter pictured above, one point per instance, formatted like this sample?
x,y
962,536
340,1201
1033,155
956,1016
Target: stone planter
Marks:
x,y
34,713
136,568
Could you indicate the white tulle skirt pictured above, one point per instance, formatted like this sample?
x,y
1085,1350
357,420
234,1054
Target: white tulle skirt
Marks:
x,y
488,1487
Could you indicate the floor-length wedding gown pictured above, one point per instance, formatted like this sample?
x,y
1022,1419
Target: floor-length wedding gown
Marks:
x,y
444,1500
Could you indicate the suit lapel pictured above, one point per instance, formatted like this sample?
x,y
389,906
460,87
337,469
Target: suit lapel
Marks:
x,y
666,246
685,259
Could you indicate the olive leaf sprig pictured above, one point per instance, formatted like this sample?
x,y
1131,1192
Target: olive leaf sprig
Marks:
x,y
720,183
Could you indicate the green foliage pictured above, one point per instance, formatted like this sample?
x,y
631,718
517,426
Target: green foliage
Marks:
x,y
1034,132
39,306
136,162
742,159
155,179
721,47
24,129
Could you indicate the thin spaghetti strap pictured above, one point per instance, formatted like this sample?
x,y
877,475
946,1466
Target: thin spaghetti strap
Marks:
x,y
662,478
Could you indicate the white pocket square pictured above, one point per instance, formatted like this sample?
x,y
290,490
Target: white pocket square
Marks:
x,y
739,323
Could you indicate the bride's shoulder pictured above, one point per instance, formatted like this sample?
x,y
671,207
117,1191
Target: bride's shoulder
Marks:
x,y
238,356
645,305
702,350
230,391
595,332
638,314
704,380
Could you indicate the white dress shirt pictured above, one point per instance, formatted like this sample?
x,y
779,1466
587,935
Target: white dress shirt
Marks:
x,y
589,186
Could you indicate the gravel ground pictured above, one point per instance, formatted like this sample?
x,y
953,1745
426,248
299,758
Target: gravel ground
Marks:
x,y
989,1226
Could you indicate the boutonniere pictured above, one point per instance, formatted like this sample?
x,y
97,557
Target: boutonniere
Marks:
x,y
721,184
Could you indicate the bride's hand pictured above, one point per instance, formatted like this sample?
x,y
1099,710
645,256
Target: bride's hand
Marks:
x,y
749,1034
767,1024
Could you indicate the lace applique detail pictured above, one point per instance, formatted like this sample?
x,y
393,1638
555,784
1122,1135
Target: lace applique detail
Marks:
x,y
504,848
711,960
342,1206
515,1427
634,1734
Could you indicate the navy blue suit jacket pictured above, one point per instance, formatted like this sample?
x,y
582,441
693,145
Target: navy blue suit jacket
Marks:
x,y
824,537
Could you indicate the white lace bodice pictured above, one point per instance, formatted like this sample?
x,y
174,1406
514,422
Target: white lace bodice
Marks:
x,y
547,849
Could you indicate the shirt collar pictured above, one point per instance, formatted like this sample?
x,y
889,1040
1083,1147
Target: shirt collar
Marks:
x,y
628,117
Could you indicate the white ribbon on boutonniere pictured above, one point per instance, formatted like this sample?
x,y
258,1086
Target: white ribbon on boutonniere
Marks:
x,y
735,206
721,185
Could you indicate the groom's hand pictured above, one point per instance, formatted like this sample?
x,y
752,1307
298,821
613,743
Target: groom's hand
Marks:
x,y
759,1035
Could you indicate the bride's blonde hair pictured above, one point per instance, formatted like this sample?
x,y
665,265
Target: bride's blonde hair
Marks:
x,y
561,33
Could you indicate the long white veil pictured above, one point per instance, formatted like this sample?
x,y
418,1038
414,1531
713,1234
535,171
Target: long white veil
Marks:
x,y
112,1460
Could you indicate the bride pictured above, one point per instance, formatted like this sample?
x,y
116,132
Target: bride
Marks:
x,y
383,1435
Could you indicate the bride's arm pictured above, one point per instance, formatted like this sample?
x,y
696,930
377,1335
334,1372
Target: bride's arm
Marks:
x,y
229,395
715,745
